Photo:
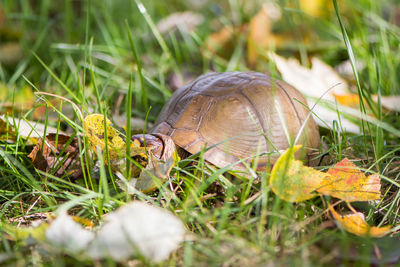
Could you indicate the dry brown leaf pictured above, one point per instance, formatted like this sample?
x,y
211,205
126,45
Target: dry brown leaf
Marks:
x,y
260,37
222,43
58,157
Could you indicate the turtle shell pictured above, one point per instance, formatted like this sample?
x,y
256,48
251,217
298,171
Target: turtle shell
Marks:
x,y
242,116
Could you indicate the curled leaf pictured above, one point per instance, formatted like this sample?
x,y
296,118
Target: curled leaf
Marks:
x,y
155,172
66,234
355,223
59,155
138,228
134,229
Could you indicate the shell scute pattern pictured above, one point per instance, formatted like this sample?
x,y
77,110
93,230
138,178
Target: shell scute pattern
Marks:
x,y
238,111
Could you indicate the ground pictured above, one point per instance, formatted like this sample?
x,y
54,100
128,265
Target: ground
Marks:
x,y
63,60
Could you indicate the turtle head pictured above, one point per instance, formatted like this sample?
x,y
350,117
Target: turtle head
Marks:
x,y
162,146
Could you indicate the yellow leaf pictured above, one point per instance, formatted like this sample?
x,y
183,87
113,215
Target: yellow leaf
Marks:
x,y
24,98
315,8
355,223
3,92
146,179
345,181
351,100
94,128
291,180
22,234
390,103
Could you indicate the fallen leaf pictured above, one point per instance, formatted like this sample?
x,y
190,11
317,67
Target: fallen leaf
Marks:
x,y
389,102
223,42
22,100
260,37
350,100
355,223
320,82
138,228
58,155
26,235
134,229
151,177
294,182
184,21
66,234
96,133
345,181
11,128
116,145
315,8
147,179
291,180
10,53
329,77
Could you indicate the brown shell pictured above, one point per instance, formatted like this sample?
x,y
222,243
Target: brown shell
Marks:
x,y
237,112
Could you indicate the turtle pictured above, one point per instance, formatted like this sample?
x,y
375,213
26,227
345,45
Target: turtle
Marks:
x,y
234,118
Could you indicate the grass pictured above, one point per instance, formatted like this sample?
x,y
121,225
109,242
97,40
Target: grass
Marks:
x,y
99,53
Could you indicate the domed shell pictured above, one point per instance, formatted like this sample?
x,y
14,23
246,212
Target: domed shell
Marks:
x,y
240,114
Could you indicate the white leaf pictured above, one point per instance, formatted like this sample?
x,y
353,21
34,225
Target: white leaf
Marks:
x,y
67,234
138,228
389,102
320,82
184,21
329,77
28,129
